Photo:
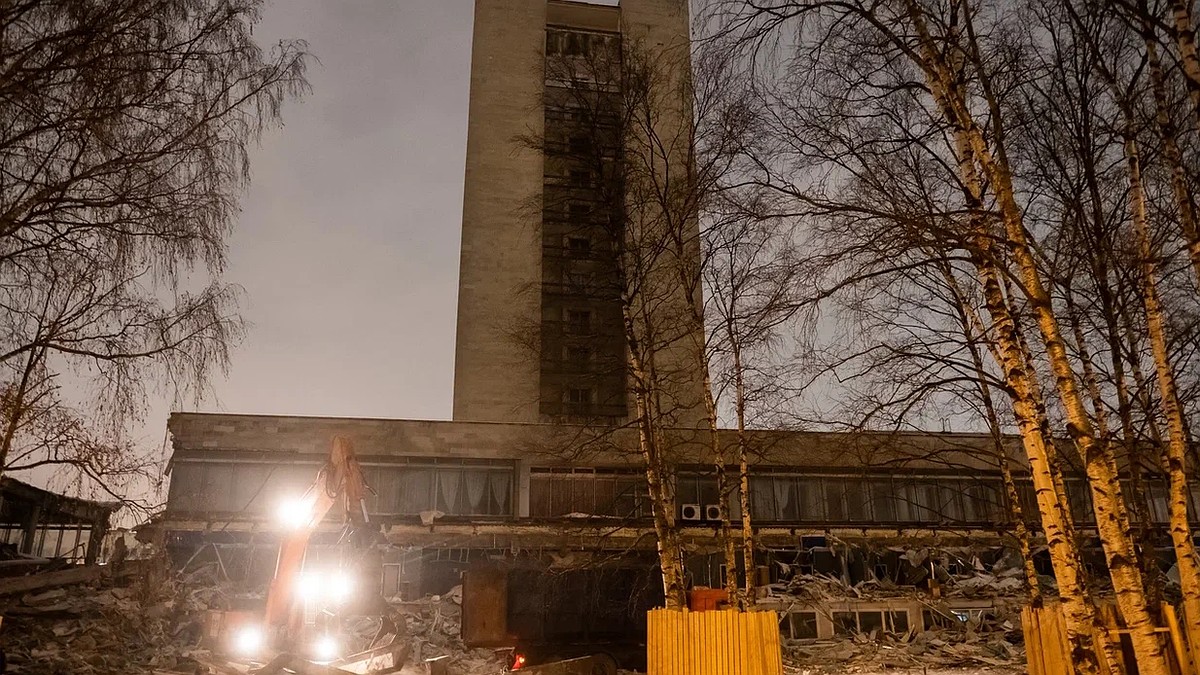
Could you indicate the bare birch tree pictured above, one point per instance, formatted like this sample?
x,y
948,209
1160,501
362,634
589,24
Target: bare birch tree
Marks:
x,y
124,133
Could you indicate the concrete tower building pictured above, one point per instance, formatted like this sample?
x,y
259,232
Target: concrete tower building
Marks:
x,y
539,312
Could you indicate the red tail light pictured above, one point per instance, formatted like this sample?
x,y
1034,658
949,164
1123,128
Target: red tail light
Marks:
x,y
518,661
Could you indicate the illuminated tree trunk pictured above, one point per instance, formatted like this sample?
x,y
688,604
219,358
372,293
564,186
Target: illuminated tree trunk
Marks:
x,y
1112,518
1175,449
743,449
973,331
1171,152
728,547
659,481
1078,613
1184,34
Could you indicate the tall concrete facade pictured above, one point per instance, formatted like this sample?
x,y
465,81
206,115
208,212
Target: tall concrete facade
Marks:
x,y
540,332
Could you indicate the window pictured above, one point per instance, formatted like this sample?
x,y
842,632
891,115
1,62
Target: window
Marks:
x,y
580,177
870,621
579,396
579,211
579,247
696,490
845,500
579,357
579,145
845,623
883,501
799,625
578,281
594,492
453,490
579,321
981,502
235,486
577,43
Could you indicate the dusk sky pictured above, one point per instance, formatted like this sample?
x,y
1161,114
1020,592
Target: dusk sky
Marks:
x,y
347,245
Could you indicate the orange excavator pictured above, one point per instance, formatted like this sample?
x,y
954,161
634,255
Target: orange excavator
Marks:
x,y
284,641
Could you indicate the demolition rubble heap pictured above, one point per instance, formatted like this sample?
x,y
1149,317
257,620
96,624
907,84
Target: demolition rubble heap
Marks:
x,y
984,638
146,619
142,617
137,620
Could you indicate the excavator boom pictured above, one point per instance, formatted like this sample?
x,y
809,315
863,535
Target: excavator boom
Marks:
x,y
341,479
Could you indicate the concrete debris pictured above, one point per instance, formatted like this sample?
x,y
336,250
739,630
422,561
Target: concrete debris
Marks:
x,y
434,628
970,613
105,625
943,647
154,626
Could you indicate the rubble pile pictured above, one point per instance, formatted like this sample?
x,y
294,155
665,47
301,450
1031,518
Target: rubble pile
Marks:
x,y
151,624
989,636
943,648
433,629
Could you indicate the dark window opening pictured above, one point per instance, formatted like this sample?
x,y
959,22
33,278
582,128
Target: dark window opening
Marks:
x,y
579,356
803,625
580,177
844,623
579,321
579,145
870,622
579,247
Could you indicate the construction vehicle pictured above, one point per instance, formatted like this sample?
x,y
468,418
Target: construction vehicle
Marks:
x,y
299,627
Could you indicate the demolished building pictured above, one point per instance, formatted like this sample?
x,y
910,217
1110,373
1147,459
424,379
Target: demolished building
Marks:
x,y
45,524
892,511
532,496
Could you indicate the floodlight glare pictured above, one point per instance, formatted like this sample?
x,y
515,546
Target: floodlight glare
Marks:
x,y
308,587
248,641
294,513
325,648
341,586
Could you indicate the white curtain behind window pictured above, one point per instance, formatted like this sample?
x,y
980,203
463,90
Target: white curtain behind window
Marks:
x,y
783,495
409,489
447,490
762,499
475,483
500,487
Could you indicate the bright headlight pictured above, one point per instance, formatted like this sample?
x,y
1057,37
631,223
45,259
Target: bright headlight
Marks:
x,y
308,587
248,640
341,586
325,648
294,513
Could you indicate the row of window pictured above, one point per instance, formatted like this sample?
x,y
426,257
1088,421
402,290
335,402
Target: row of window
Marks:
x,y
69,542
579,43
483,489
617,495
807,625
814,499
398,490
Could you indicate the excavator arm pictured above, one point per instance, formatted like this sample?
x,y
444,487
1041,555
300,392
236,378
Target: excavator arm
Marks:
x,y
340,480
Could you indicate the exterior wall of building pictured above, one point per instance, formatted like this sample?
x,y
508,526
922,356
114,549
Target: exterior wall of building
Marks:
x,y
534,343
496,364
520,479
659,33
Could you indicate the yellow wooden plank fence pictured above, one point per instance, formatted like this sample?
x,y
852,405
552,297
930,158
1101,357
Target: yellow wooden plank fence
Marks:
x,y
1048,653
722,642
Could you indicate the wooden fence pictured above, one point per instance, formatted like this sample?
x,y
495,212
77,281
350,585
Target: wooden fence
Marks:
x,y
722,642
1047,651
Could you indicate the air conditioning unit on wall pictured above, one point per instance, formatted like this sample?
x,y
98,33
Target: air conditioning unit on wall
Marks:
x,y
712,512
690,512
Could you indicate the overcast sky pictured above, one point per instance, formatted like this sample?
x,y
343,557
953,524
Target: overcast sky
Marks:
x,y
347,245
